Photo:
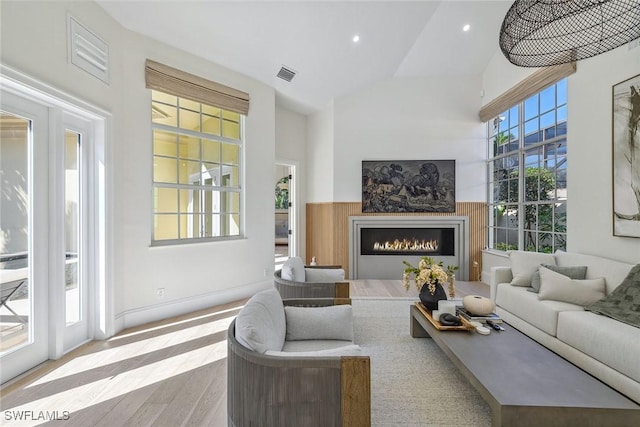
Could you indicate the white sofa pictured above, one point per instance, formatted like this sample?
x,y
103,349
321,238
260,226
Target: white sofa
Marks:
x,y
294,363
602,346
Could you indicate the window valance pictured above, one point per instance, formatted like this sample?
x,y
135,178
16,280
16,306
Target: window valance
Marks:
x,y
179,83
526,88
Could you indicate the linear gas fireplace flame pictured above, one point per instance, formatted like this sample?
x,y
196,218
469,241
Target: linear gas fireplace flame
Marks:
x,y
407,245
378,244
407,241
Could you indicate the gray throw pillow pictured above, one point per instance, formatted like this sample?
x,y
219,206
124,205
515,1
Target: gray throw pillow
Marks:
x,y
578,273
261,324
319,323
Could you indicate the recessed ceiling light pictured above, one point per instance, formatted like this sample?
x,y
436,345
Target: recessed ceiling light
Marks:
x,y
466,27
356,38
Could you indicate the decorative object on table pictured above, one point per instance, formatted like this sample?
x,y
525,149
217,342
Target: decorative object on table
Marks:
x,y
539,33
478,305
462,312
448,319
483,330
409,186
626,157
430,300
447,306
429,278
428,314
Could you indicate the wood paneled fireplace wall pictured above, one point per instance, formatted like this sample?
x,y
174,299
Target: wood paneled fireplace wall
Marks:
x,y
328,232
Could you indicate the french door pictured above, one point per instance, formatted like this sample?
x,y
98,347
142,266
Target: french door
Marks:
x,y
24,279
45,310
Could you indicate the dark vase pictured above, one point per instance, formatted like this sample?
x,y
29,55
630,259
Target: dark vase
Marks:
x,y
431,301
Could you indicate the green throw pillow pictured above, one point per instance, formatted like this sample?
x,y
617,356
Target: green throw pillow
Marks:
x,y
578,273
623,304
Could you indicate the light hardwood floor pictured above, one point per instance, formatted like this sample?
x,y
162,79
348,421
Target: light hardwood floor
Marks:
x,y
167,373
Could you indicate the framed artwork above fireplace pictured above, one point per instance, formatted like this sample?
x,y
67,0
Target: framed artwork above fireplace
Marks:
x,y
391,186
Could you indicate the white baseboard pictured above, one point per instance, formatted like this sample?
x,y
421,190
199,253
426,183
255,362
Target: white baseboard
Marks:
x,y
140,316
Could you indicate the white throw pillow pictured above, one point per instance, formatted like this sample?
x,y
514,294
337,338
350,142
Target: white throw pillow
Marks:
x,y
293,269
524,264
319,323
286,272
324,275
558,287
261,324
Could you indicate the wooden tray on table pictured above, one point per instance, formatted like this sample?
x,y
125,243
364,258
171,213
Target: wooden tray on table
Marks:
x,y
466,325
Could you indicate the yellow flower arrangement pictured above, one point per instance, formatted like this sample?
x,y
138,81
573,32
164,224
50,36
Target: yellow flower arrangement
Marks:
x,y
428,273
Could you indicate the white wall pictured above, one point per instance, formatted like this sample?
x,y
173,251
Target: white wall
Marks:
x,y
34,37
291,146
321,169
590,215
411,119
589,212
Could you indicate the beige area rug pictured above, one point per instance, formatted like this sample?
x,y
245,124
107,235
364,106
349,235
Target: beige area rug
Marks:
x,y
413,383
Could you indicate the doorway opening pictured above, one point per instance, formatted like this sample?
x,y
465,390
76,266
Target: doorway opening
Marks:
x,y
285,213
53,224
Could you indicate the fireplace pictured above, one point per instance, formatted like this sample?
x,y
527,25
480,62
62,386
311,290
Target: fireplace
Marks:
x,y
407,241
379,244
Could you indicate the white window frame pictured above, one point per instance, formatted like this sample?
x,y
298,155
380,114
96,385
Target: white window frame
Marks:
x,y
558,201
217,189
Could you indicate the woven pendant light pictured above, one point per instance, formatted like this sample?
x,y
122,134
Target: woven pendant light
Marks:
x,y
539,33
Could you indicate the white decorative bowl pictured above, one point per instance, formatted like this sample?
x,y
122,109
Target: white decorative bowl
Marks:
x,y
478,305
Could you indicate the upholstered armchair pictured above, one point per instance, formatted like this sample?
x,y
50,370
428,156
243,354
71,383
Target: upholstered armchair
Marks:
x,y
295,363
296,280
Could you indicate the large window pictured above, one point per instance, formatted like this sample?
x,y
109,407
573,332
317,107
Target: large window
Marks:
x,y
527,167
197,160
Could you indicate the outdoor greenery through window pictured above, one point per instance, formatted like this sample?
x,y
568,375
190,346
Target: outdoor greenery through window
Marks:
x,y
527,167
197,152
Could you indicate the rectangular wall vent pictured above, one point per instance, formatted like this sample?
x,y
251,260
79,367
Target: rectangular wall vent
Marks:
x,y
88,51
286,74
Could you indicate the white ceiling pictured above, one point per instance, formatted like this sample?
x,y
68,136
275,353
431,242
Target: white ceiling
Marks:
x,y
313,38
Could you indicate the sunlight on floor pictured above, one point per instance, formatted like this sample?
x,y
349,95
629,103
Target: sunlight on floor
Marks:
x,y
125,334
138,348
94,393
281,255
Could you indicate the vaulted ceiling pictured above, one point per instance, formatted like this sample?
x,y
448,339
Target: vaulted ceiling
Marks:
x,y
315,39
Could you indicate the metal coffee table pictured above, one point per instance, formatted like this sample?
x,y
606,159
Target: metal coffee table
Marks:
x,y
524,383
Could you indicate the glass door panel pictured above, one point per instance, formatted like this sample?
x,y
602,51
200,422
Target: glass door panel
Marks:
x,y
24,196
15,302
72,274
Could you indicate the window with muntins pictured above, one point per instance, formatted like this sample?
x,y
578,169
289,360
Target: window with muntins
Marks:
x,y
527,173
197,161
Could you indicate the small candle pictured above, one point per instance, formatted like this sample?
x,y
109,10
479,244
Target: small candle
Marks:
x,y
446,306
436,315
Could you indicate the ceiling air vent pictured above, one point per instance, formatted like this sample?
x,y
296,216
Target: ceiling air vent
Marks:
x,y
286,74
88,51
